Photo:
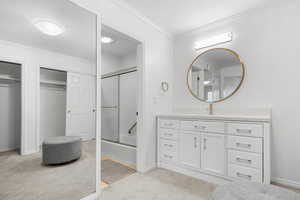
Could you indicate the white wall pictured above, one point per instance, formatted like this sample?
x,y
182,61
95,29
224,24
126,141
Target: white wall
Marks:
x,y
268,43
31,59
112,63
129,60
157,68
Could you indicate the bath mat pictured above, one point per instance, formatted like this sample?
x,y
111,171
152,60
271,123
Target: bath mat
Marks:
x,y
112,171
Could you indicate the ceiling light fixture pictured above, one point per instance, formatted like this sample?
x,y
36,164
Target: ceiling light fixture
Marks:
x,y
218,39
106,40
48,28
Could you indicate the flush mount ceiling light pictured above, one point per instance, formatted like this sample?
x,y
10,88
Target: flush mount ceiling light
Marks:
x,y
106,40
218,39
48,27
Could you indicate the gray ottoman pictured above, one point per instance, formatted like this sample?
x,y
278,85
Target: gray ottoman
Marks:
x,y
252,191
59,150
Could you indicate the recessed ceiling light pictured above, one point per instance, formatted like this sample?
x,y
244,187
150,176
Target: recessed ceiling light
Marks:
x,y
106,40
48,27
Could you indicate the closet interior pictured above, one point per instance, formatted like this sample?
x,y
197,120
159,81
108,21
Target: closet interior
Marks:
x,y
52,103
10,106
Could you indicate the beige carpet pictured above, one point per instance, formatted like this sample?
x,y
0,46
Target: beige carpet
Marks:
x,y
25,178
112,172
158,184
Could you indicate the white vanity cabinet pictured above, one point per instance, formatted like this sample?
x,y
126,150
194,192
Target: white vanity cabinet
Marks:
x,y
213,153
189,149
215,148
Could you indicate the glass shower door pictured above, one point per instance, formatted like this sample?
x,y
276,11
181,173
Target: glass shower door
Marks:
x,y
128,108
110,110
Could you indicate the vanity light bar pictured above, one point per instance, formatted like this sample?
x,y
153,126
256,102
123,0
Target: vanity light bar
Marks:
x,y
218,39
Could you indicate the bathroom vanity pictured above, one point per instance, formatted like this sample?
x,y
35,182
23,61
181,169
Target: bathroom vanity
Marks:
x,y
215,148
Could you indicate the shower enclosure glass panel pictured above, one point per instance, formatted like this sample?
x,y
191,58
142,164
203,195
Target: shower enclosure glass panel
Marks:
x,y
119,108
110,108
128,108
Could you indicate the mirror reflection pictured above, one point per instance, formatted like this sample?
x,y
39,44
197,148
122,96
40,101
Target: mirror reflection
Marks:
x,y
47,98
215,75
119,105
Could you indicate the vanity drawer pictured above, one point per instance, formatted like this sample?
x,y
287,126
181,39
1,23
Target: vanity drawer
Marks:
x,y
168,146
252,130
169,123
245,143
169,156
205,126
246,159
170,134
244,173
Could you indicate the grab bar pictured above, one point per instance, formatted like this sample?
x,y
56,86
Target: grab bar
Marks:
x,y
132,127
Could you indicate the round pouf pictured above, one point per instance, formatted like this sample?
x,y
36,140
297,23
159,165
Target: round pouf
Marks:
x,y
252,191
59,150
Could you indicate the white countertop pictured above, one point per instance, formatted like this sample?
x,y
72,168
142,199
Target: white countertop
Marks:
x,y
231,117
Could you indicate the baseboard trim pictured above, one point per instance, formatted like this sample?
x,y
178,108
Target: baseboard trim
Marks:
x,y
286,182
8,149
29,152
217,180
148,168
93,196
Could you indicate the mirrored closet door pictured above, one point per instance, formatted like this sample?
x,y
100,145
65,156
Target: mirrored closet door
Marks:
x,y
120,75
48,60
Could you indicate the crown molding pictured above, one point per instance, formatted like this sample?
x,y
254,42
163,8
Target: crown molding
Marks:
x,y
138,14
230,18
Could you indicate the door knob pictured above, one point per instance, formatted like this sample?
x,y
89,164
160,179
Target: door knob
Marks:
x,y
69,111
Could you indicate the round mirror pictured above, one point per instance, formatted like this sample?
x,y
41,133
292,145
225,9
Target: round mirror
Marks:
x,y
215,75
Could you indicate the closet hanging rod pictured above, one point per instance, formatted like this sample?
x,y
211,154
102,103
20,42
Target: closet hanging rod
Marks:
x,y
61,83
119,72
9,78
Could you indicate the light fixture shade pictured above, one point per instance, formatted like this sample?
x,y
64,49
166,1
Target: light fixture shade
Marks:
x,y
218,39
48,28
106,40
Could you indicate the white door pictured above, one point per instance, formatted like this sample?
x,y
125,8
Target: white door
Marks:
x,y
189,149
128,108
109,108
80,106
213,153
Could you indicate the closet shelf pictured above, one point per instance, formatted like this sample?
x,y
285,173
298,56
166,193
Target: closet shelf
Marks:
x,y
8,79
59,83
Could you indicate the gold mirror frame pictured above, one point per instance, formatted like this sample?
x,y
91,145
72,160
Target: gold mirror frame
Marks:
x,y
237,88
